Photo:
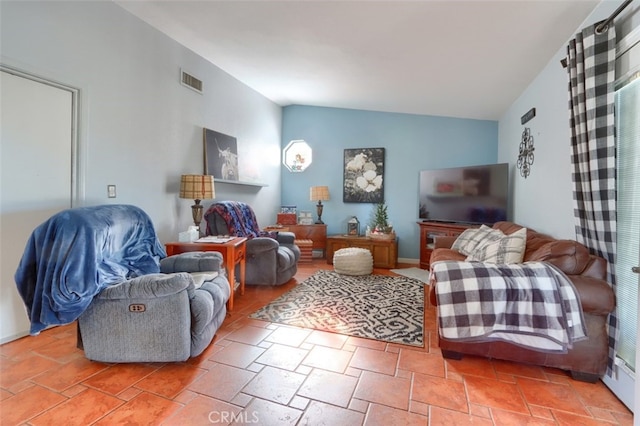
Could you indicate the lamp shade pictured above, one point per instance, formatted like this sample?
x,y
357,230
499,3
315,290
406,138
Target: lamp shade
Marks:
x,y
319,193
197,187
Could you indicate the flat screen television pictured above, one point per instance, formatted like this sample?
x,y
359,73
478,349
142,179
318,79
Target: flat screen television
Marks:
x,y
472,194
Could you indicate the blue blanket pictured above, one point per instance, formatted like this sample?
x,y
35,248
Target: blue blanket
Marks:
x,y
76,253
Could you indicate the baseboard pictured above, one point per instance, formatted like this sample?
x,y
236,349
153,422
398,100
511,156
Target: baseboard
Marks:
x,y
13,337
409,260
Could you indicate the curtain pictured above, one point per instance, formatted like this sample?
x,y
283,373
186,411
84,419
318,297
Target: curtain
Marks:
x,y
591,67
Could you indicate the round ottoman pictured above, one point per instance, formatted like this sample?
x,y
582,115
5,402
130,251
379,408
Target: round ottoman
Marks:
x,y
353,261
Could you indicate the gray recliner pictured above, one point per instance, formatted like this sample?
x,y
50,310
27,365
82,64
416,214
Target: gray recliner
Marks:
x,y
105,267
163,317
272,257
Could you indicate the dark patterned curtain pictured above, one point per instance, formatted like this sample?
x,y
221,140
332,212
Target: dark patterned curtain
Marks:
x,y
591,67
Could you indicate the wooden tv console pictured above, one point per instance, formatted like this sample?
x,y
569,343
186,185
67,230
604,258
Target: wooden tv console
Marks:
x,y
384,251
429,231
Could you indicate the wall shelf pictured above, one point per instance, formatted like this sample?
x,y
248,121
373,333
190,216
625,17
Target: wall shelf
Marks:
x,y
238,182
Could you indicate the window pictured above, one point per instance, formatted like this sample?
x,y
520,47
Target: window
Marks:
x,y
297,156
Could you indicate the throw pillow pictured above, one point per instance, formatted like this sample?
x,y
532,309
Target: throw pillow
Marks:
x,y
508,249
470,239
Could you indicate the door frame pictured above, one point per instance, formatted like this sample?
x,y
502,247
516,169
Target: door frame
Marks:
x,y
74,189
77,173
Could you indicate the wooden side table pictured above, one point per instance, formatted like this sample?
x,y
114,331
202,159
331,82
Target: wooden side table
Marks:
x,y
234,252
316,233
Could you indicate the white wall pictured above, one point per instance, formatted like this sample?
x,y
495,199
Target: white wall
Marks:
x,y
139,128
543,201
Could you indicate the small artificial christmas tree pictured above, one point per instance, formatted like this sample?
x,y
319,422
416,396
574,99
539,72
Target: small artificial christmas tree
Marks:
x,y
380,223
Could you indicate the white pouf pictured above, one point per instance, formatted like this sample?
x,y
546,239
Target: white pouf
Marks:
x,y
353,261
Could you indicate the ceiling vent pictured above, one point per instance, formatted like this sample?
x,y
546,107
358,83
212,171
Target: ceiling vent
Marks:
x,y
191,82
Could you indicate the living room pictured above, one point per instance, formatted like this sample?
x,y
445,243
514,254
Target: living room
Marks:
x,y
139,129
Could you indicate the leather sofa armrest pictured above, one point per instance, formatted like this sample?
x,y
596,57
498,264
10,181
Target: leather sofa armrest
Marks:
x,y
444,241
433,300
596,268
596,296
445,254
569,256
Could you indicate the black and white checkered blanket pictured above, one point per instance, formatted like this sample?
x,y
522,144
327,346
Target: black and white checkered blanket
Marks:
x,y
531,304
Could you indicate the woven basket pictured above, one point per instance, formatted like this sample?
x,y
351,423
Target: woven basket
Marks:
x,y
353,261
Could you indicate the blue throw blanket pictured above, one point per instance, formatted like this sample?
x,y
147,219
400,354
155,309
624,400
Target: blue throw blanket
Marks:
x,y
76,253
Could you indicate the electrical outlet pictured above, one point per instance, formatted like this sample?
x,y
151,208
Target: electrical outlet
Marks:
x,y
111,191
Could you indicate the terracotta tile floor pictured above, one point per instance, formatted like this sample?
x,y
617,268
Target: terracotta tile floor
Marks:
x,y
260,373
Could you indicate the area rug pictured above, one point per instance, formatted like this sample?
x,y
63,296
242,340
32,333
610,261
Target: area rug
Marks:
x,y
415,273
380,307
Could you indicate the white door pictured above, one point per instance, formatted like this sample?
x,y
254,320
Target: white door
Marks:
x,y
36,176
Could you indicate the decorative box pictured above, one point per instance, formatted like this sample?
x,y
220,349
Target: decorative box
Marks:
x,y
287,219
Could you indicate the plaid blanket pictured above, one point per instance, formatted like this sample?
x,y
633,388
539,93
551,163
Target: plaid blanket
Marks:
x,y
531,304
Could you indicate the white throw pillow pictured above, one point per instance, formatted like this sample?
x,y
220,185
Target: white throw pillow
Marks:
x,y
508,249
471,239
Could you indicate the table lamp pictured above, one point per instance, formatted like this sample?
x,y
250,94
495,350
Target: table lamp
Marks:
x,y
197,187
319,194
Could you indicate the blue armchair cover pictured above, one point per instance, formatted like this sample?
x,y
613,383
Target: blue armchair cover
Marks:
x,y
76,253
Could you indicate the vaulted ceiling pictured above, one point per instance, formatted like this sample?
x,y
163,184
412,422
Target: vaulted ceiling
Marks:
x,y
468,59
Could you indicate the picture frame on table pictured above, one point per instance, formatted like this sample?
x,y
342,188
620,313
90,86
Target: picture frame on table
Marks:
x,y
305,218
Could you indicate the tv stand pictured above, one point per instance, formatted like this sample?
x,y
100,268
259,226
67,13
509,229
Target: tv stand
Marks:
x,y
430,230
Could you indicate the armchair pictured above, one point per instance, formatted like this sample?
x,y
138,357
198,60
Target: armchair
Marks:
x,y
169,316
105,267
272,257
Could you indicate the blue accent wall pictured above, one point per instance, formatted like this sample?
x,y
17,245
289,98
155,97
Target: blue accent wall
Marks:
x,y
412,143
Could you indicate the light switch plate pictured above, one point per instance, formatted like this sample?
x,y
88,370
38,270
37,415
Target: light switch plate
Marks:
x,y
111,191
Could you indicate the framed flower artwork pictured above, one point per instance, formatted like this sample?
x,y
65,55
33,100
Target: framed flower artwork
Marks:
x,y
363,175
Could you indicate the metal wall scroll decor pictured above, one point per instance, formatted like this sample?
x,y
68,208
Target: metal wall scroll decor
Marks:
x,y
525,156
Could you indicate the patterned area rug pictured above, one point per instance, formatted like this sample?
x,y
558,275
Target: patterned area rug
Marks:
x,y
377,307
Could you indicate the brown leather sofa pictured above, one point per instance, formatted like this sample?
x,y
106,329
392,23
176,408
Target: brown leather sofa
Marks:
x,y
587,360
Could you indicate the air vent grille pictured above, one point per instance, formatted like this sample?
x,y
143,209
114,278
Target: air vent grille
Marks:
x,y
191,82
